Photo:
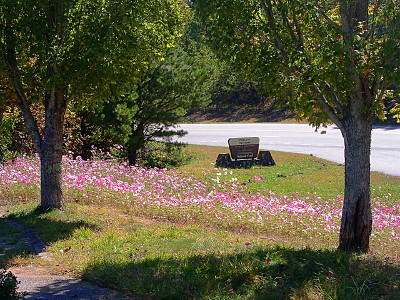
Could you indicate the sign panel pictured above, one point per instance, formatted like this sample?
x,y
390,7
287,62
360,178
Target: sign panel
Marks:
x,y
244,148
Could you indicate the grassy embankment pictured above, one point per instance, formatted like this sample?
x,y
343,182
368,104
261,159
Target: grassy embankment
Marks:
x,y
200,232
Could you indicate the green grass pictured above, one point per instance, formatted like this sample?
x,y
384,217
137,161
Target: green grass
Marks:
x,y
12,244
156,258
152,259
295,174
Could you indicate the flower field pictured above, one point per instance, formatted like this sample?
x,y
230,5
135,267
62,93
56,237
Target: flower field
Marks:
x,y
218,198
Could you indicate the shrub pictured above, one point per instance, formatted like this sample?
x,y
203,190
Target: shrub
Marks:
x,y
163,155
8,286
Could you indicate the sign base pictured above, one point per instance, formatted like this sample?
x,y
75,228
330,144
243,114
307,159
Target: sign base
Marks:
x,y
264,158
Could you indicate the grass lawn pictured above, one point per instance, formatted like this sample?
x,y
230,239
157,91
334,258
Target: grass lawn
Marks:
x,y
204,233
295,174
11,243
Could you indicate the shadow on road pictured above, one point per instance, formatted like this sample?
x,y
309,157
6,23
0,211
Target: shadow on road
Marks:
x,y
386,127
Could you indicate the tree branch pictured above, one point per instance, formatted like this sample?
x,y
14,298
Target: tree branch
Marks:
x,y
326,107
289,28
10,58
327,19
334,99
373,19
267,8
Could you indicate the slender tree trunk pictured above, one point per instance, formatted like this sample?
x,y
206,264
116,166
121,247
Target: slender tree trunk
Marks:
x,y
136,142
132,157
1,115
51,151
356,215
85,132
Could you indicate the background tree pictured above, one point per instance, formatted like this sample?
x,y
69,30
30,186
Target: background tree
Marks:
x,y
334,59
166,91
234,94
54,51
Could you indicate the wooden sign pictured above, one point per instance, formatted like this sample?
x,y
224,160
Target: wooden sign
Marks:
x,y
244,148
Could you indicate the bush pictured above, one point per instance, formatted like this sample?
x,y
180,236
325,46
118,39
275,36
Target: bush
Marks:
x,y
163,155
9,127
8,286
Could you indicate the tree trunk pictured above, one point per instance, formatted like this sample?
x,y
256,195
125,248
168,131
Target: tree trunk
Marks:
x,y
136,142
51,151
85,132
132,157
356,215
50,145
1,115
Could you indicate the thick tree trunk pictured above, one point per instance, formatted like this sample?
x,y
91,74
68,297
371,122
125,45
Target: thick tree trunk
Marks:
x,y
51,152
50,145
356,216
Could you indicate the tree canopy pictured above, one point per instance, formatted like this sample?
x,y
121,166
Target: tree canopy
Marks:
x,y
167,90
54,51
336,61
305,49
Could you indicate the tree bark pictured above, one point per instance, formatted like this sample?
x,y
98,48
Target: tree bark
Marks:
x,y
51,151
55,102
85,132
136,142
49,146
1,115
356,223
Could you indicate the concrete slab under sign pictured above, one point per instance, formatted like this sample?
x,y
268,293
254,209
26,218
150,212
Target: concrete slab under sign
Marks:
x,y
264,158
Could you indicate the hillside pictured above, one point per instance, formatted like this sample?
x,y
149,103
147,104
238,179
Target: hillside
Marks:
x,y
241,114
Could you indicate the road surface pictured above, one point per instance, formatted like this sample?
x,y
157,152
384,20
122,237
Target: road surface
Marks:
x,y
301,138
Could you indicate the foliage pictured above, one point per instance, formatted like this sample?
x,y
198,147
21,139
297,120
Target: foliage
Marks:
x,y
395,109
8,286
166,91
105,43
101,38
230,87
7,128
152,155
336,61
299,48
55,51
163,155
9,122
15,140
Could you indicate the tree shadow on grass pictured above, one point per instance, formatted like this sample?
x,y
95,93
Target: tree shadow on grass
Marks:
x,y
269,273
31,231
12,243
49,229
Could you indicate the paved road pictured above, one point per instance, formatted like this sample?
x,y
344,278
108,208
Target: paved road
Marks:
x,y
301,138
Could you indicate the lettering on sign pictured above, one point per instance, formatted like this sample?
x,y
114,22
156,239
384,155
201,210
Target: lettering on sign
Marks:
x,y
244,148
